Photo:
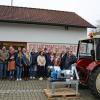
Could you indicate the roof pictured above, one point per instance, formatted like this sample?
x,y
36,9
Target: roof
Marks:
x,y
41,16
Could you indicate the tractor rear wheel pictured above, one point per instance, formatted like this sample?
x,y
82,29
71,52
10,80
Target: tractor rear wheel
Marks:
x,y
94,82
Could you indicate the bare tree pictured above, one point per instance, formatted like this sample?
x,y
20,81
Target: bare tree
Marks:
x,y
97,29
98,25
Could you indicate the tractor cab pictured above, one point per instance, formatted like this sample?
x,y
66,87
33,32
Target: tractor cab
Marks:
x,y
88,63
85,48
88,51
89,48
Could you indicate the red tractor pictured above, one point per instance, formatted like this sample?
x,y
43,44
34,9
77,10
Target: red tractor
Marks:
x,y
88,64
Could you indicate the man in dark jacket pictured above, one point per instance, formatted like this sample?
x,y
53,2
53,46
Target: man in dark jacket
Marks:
x,y
63,59
33,66
47,53
70,59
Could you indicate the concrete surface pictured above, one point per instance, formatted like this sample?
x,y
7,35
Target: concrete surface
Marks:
x,y
32,90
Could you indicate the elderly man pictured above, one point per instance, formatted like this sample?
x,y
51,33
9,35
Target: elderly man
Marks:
x,y
70,59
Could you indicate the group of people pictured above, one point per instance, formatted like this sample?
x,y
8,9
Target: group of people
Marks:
x,y
23,64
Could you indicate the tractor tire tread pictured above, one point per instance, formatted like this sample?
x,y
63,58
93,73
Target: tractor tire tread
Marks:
x,y
92,81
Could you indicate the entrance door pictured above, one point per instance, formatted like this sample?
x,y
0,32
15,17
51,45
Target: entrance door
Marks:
x,y
7,44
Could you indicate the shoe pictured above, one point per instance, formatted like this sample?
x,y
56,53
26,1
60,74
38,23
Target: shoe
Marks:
x,y
13,79
20,79
30,77
17,79
33,78
41,78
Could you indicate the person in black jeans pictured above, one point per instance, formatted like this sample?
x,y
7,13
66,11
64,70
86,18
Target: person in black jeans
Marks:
x,y
48,60
33,67
27,63
41,61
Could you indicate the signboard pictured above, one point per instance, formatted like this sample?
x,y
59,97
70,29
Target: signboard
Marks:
x,y
59,47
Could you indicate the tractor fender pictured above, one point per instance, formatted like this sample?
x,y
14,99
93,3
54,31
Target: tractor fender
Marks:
x,y
92,65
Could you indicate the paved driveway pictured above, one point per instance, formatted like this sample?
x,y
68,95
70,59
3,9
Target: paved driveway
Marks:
x,y
31,90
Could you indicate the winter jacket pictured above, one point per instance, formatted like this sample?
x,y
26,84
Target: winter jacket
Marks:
x,y
48,59
19,61
34,58
69,61
41,61
4,56
26,61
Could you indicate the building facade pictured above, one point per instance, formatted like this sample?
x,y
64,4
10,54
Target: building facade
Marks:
x,y
38,31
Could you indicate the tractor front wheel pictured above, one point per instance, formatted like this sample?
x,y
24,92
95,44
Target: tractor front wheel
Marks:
x,y
94,82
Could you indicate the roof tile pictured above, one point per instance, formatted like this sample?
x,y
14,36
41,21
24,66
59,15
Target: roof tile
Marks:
x,y
43,16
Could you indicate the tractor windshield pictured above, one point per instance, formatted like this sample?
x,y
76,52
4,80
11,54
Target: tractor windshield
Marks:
x,y
89,48
85,48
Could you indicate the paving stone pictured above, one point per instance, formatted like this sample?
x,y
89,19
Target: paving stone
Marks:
x,y
31,90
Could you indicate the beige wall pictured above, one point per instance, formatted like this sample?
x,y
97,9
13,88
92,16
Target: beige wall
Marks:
x,y
40,33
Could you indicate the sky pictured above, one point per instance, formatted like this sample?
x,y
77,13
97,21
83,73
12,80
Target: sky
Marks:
x,y
87,9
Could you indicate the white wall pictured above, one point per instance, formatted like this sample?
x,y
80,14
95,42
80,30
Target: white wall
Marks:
x,y
40,33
